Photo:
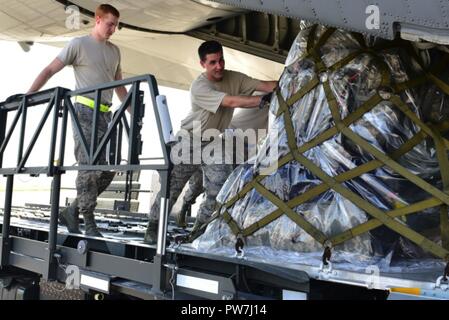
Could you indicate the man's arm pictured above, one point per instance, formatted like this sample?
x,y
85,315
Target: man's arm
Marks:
x,y
267,86
241,101
120,91
54,67
249,101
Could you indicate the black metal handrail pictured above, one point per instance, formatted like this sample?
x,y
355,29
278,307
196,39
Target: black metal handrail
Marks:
x,y
59,101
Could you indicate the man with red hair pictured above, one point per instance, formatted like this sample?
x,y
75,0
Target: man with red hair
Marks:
x,y
95,61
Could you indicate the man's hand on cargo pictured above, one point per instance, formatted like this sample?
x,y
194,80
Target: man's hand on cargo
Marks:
x,y
265,100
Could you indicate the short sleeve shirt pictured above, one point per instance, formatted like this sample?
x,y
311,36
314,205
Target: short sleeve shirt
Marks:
x,y
253,118
93,62
206,97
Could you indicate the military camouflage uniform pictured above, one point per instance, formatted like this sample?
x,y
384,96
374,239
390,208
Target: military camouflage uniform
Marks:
x,y
206,99
195,188
89,184
213,176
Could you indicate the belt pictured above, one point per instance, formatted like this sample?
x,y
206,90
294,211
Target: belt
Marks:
x,y
90,103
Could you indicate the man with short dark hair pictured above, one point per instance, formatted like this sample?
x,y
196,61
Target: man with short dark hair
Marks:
x,y
95,61
214,96
244,119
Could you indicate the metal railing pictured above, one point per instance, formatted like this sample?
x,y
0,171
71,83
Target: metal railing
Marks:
x,y
59,105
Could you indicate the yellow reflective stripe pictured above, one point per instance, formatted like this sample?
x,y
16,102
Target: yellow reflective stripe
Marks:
x,y
90,103
412,291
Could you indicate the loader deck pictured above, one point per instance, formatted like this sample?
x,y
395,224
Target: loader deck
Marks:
x,y
123,240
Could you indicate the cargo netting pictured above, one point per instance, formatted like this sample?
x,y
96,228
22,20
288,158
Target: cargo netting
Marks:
x,y
362,168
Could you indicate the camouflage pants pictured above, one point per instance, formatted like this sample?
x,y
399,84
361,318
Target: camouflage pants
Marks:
x,y
89,184
213,178
195,187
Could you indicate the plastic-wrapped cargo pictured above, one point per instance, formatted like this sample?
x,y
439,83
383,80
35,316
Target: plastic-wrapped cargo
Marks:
x,y
349,112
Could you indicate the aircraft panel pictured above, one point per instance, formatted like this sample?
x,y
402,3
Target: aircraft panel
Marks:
x,y
426,20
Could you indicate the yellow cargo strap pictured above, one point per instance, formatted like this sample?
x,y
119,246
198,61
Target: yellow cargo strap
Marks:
x,y
359,201
387,91
90,103
444,165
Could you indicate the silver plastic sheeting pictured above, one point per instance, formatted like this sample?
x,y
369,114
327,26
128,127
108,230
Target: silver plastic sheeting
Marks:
x,y
385,127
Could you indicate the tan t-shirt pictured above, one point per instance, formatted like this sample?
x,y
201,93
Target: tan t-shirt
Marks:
x,y
253,118
206,97
93,62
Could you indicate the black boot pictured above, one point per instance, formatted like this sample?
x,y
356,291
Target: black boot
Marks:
x,y
90,225
69,217
196,227
197,230
180,216
151,233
